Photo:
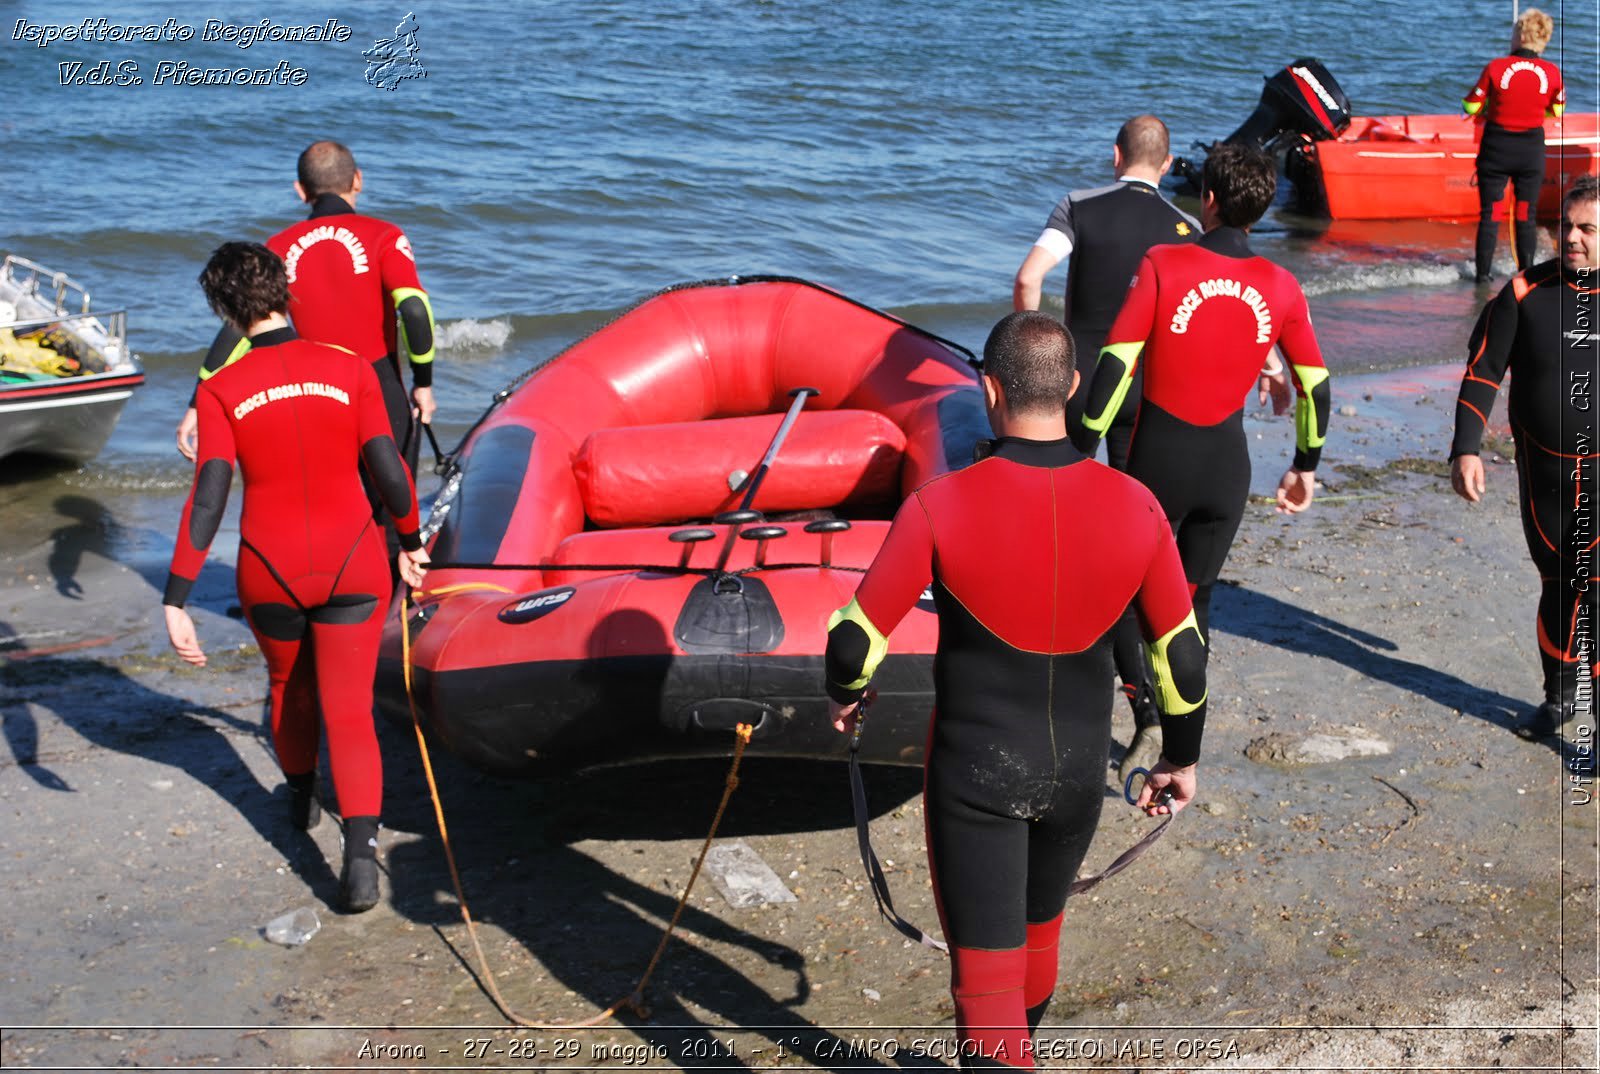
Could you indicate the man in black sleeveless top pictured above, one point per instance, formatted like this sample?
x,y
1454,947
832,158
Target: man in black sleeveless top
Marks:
x,y
1102,234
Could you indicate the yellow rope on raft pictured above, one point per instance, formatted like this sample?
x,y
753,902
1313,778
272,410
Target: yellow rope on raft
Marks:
x,y
634,1000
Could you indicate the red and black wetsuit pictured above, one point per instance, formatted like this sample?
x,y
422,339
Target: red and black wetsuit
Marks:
x,y
1512,97
1541,328
349,276
1033,553
1104,232
301,418
1201,319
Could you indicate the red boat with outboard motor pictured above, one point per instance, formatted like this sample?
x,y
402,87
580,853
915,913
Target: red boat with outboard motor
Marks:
x,y
1388,167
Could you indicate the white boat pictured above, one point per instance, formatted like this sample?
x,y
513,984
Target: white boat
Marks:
x,y
65,372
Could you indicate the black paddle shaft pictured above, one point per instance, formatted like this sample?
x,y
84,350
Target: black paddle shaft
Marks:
x,y
754,482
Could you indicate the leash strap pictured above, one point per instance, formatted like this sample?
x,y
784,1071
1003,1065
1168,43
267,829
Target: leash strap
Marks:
x,y
1125,859
869,859
880,882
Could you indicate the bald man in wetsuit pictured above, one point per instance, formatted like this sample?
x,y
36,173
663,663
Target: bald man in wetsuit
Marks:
x,y
352,283
1023,676
1541,328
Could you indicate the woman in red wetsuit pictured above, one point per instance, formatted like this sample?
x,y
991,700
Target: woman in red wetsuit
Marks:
x,y
1512,97
301,419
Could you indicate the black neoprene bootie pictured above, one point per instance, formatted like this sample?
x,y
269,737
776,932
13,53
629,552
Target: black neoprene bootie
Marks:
x,y
1560,706
305,811
1546,720
358,882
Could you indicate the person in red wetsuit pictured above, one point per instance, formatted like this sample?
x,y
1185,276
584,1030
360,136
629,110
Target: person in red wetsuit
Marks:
x,y
1202,319
353,283
1033,552
1511,99
1541,329
301,419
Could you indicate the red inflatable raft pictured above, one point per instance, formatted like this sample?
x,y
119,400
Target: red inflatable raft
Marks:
x,y
595,603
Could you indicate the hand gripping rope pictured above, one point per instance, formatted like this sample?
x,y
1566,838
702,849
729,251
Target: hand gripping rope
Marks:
x,y
634,1000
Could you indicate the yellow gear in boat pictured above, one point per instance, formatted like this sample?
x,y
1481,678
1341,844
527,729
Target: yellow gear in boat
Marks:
x,y
33,356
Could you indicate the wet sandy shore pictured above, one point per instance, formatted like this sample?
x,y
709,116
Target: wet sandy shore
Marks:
x,y
1431,906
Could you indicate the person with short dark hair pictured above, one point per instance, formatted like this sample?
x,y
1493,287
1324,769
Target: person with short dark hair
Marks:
x,y
1202,319
1511,99
352,283
1033,553
1541,328
301,420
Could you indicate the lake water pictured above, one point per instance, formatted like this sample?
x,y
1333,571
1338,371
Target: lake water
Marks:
x,y
558,162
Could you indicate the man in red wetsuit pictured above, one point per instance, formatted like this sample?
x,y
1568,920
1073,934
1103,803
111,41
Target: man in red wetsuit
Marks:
x,y
353,283
1033,553
1512,97
1202,319
301,419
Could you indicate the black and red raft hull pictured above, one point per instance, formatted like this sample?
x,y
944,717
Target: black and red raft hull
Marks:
x,y
575,626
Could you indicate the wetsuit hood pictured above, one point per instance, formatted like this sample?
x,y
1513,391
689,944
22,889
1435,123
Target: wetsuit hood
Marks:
x,y
329,205
1227,241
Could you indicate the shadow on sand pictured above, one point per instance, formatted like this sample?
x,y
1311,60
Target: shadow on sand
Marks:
x,y
1246,613
115,711
592,928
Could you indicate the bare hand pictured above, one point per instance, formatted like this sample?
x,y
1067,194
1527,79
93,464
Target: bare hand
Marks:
x,y
1466,477
1295,491
844,717
1274,388
411,567
424,404
189,434
1180,781
180,631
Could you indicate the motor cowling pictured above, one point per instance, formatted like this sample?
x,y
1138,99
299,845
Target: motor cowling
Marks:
x,y
1299,102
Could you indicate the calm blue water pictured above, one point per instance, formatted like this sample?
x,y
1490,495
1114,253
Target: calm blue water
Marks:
x,y
562,160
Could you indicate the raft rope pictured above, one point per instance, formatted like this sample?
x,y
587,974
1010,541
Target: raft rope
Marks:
x,y
634,1000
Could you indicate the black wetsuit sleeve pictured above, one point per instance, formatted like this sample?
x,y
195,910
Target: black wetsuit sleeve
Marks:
x,y
208,498
416,320
1176,651
1488,358
384,465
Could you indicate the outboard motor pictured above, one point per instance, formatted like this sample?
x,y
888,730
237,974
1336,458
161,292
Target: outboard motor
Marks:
x,y
1299,103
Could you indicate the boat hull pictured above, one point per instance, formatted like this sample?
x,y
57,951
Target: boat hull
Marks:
x,y
69,419
1419,167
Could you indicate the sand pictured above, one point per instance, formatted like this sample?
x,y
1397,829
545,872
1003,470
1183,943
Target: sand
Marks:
x,y
1427,906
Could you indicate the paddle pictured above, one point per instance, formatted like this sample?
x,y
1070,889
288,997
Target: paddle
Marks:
x,y
753,482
